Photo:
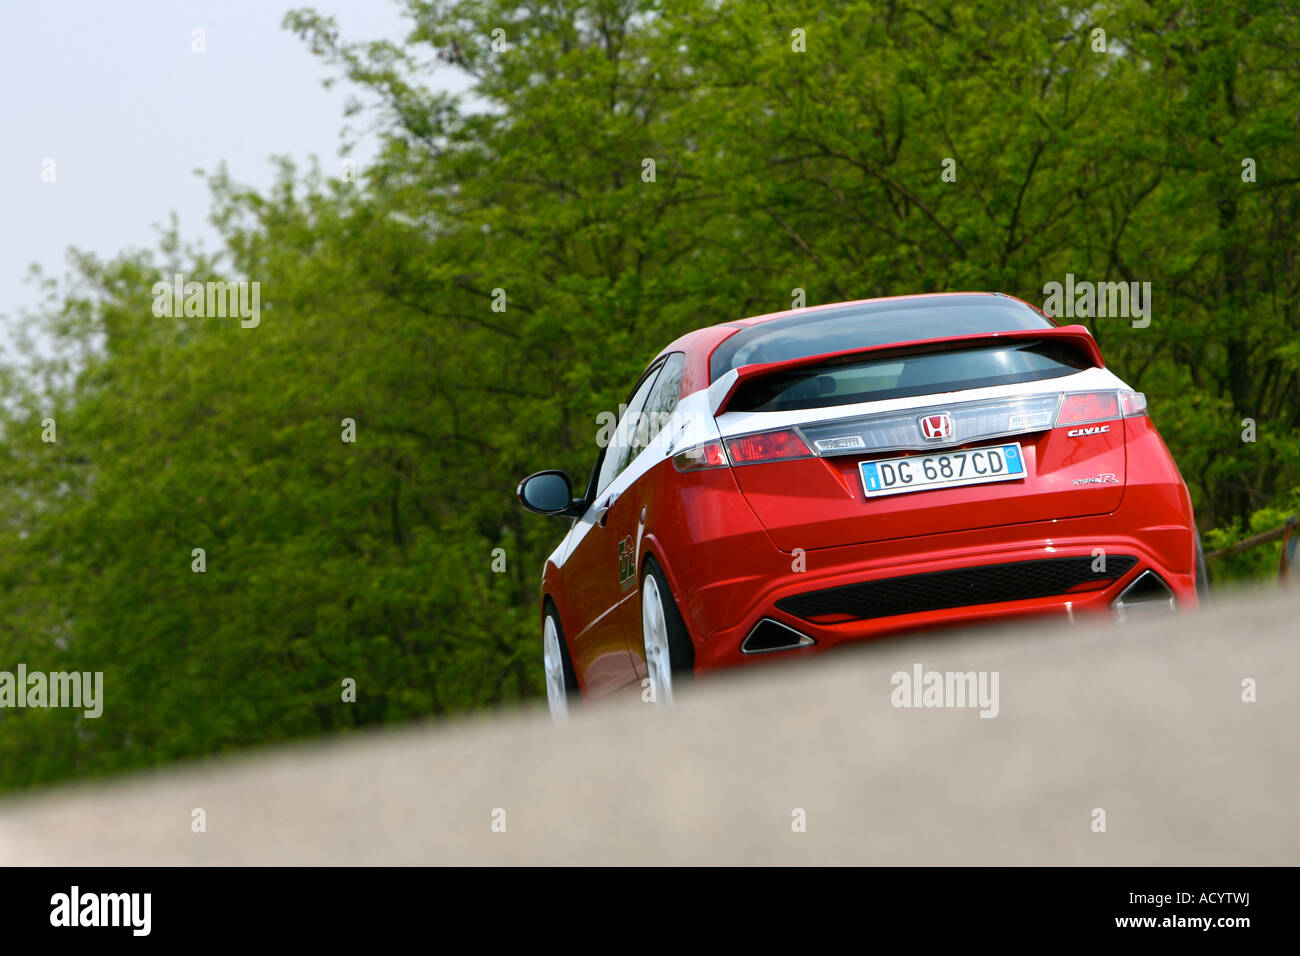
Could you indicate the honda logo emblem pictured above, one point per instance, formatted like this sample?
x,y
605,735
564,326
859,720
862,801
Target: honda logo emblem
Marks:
x,y
936,427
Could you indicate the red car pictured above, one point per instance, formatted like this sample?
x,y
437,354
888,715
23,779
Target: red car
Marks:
x,y
779,485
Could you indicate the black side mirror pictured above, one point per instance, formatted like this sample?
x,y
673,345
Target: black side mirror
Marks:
x,y
547,493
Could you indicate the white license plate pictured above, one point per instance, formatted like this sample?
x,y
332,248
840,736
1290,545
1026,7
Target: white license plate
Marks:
x,y
973,466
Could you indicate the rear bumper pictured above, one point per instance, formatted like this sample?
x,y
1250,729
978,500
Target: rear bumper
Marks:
x,y
1153,526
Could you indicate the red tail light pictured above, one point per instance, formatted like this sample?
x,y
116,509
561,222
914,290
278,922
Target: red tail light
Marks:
x,y
1082,407
768,446
707,455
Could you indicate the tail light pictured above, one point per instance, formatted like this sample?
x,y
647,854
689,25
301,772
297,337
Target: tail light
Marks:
x,y
700,457
767,446
1082,407
1079,408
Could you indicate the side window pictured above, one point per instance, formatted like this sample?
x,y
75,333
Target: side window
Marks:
x,y
661,403
617,454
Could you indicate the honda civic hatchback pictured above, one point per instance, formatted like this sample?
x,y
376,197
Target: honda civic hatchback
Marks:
x,y
781,485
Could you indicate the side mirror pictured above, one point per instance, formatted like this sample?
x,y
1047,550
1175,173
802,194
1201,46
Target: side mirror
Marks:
x,y
546,492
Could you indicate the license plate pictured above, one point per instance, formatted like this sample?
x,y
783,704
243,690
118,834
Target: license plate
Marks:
x,y
973,466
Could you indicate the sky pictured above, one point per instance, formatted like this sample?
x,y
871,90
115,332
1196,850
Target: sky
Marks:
x,y
115,95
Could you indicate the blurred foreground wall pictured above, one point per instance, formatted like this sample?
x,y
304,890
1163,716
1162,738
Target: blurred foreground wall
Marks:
x,y
1146,723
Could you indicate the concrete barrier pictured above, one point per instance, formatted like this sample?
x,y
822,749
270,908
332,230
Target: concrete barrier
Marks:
x,y
1145,722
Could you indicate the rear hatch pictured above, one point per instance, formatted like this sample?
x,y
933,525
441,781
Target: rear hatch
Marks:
x,y
953,416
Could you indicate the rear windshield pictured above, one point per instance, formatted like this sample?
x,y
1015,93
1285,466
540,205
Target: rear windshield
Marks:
x,y
879,323
908,375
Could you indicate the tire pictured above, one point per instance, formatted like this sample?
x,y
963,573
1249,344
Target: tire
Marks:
x,y
562,691
1202,573
669,653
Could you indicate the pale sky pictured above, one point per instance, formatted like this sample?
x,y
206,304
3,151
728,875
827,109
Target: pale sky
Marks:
x,y
115,95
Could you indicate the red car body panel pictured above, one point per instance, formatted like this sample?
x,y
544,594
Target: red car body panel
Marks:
x,y
734,541
815,503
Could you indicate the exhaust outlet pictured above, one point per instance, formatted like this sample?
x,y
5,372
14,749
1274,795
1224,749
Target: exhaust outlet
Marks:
x,y
1147,593
769,636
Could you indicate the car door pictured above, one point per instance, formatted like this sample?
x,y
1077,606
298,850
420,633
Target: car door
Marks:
x,y
594,569
632,491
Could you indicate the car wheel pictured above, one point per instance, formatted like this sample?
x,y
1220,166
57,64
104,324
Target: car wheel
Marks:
x,y
1202,572
669,654
561,682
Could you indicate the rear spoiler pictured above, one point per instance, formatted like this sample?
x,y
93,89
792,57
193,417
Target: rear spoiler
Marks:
x,y
724,389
